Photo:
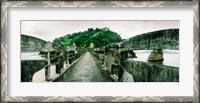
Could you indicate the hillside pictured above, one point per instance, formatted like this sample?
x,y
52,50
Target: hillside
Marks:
x,y
162,39
29,43
88,38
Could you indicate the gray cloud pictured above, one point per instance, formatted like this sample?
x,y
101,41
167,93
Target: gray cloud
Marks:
x,y
49,30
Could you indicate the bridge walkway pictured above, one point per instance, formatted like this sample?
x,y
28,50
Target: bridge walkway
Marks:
x,y
85,70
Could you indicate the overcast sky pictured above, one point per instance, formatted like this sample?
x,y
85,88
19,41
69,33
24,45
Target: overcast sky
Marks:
x,y
49,30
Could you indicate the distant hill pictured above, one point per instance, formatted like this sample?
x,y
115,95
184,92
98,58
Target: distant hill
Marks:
x,y
29,43
162,39
88,38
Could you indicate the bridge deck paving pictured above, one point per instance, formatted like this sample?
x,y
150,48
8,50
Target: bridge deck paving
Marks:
x,y
85,70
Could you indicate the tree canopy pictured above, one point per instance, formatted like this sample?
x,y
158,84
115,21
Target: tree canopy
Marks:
x,y
98,36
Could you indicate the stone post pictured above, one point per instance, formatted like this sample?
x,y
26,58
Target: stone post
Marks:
x,y
67,60
47,69
60,64
117,70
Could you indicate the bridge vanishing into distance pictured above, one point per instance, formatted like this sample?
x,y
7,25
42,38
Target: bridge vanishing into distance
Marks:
x,y
85,70
109,63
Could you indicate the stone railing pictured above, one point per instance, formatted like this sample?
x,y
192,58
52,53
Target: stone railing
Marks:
x,y
140,71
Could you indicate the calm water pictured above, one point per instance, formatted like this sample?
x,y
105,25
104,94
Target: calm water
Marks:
x,y
171,57
31,56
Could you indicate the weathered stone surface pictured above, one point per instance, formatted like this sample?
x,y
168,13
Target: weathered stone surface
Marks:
x,y
151,72
162,39
29,67
85,70
128,54
156,55
112,53
59,64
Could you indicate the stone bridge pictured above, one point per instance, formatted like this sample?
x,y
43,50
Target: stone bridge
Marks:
x,y
113,59
67,56
157,41
114,56
162,39
140,71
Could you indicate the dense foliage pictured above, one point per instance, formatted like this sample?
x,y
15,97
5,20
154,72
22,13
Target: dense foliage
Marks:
x,y
99,37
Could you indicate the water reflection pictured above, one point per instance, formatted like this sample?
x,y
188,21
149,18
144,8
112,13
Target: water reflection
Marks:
x,y
31,56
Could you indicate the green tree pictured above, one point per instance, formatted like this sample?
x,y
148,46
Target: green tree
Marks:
x,y
100,37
